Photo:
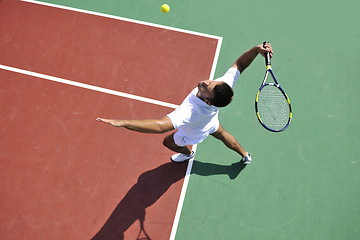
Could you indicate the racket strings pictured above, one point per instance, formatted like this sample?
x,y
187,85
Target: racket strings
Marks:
x,y
273,107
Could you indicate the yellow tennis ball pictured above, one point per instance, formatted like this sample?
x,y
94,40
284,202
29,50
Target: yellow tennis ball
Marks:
x,y
165,8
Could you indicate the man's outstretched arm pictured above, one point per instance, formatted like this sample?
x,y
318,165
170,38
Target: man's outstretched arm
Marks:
x,y
144,126
247,58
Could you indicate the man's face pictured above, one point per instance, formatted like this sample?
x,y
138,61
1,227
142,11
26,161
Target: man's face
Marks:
x,y
206,90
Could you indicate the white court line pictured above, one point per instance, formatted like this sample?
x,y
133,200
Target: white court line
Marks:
x,y
87,86
212,74
123,19
216,58
182,195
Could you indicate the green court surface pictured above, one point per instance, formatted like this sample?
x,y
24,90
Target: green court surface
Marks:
x,y
303,183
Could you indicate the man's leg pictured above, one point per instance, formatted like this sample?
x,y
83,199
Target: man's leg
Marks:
x,y
154,126
169,142
184,153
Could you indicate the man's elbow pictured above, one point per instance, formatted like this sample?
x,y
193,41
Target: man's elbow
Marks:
x,y
239,67
164,126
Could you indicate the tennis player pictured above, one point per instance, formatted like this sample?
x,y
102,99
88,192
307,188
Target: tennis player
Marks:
x,y
197,116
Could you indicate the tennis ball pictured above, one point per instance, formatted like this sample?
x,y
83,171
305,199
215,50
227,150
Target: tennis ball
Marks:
x,y
165,8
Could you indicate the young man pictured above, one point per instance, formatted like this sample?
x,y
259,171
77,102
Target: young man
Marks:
x,y
197,116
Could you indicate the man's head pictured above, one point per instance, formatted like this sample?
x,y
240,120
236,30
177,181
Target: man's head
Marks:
x,y
216,93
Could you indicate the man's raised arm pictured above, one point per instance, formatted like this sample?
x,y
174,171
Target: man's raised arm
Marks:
x,y
247,58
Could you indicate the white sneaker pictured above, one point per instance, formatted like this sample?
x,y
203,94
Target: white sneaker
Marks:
x,y
247,159
180,157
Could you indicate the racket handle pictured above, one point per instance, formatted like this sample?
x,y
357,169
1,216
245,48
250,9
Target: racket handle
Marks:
x,y
267,56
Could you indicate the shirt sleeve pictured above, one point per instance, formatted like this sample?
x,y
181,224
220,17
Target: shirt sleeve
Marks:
x,y
181,116
230,76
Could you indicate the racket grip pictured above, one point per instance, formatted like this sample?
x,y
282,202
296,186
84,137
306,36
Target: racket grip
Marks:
x,y
267,56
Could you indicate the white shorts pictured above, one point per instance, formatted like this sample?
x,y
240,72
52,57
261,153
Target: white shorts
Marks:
x,y
181,139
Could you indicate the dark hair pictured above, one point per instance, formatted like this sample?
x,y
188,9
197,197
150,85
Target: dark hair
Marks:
x,y
223,94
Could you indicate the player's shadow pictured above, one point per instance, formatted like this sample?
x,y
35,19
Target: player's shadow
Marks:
x,y
150,186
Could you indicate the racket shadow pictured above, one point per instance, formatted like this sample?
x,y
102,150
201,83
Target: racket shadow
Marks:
x,y
208,169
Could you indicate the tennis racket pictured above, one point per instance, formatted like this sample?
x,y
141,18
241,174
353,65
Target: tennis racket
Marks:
x,y
272,105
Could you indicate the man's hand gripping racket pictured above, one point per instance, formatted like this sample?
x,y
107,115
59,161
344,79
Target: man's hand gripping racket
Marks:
x,y
272,105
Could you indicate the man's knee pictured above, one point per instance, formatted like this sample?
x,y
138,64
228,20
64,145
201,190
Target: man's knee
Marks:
x,y
169,141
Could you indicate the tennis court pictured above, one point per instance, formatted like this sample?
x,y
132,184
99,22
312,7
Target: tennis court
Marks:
x,y
65,176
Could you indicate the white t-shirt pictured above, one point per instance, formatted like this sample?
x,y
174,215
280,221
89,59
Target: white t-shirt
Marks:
x,y
230,76
194,119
